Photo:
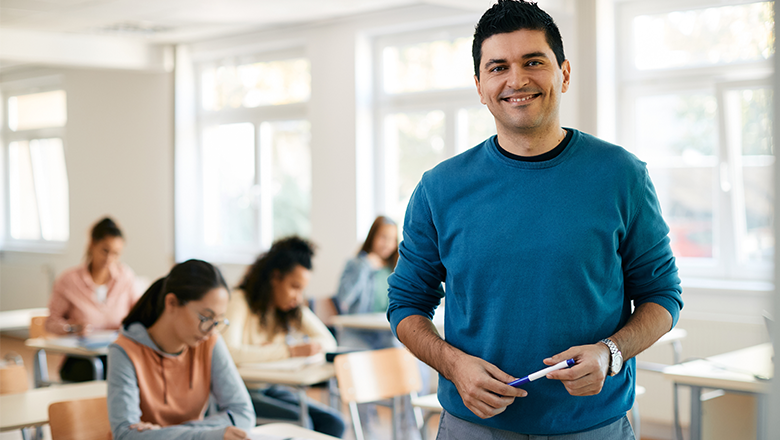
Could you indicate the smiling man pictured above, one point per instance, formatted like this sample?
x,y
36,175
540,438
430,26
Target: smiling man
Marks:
x,y
552,247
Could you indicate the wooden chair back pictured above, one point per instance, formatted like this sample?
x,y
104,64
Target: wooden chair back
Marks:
x,y
368,376
84,419
13,379
38,327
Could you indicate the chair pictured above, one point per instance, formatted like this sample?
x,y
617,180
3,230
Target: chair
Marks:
x,y
430,403
13,379
85,419
370,376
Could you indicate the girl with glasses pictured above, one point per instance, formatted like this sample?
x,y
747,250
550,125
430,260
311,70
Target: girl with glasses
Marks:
x,y
270,323
169,358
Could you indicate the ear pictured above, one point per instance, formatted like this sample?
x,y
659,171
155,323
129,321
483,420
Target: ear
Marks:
x,y
566,70
171,302
479,90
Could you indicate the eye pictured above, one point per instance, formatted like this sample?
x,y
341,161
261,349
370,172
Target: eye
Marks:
x,y
534,63
498,69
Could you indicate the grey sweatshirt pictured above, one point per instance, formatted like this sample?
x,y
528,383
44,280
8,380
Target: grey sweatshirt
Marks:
x,y
227,389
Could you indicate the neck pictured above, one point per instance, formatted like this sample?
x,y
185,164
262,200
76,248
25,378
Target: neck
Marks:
x,y
164,336
530,144
99,275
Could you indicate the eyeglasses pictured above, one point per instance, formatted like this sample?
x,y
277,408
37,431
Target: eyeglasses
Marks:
x,y
208,324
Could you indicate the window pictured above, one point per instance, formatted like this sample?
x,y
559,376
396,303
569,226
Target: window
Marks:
x,y
696,106
427,109
255,162
36,183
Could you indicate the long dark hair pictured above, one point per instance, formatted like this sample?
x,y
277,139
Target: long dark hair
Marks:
x,y
512,15
189,281
372,232
284,256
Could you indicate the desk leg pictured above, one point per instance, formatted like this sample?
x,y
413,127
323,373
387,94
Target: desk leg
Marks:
x,y
304,408
761,416
695,427
40,369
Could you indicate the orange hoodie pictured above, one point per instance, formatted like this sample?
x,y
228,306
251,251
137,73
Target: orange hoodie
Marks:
x,y
173,389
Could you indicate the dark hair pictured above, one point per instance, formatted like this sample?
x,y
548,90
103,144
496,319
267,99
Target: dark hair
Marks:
x,y
371,237
511,15
189,281
105,228
285,255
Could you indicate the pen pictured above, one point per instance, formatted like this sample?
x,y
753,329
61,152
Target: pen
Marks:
x,y
230,416
541,373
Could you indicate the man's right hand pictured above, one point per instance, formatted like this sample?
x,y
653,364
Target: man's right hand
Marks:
x,y
483,386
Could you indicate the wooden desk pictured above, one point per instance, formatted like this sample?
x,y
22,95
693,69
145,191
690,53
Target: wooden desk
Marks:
x,y
733,372
31,408
299,379
286,430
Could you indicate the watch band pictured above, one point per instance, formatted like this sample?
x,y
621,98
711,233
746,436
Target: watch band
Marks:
x,y
613,352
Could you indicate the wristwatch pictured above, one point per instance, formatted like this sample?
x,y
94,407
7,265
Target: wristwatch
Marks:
x,y
616,357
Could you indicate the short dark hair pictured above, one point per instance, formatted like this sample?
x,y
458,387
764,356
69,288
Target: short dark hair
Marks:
x,y
284,256
512,15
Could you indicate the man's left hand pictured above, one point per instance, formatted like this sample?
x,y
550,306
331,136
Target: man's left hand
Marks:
x,y
586,377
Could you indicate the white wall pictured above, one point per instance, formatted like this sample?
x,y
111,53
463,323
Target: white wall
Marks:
x,y
119,157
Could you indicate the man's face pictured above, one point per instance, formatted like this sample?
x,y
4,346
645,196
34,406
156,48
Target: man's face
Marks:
x,y
520,81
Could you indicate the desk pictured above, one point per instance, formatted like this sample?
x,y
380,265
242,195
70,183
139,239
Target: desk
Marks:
x,y
300,379
64,345
286,430
378,321
732,372
13,320
31,408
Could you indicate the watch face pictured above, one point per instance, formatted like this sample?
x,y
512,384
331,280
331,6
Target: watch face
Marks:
x,y
617,363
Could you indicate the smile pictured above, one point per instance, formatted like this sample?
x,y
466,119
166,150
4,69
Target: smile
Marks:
x,y
524,99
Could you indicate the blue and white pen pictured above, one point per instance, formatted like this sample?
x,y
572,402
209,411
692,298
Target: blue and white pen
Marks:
x,y
541,373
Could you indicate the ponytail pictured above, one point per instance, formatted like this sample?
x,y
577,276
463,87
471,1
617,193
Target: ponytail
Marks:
x,y
189,281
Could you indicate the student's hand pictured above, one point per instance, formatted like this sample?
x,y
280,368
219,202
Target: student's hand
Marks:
x,y
233,433
483,386
306,349
375,260
84,329
586,377
144,426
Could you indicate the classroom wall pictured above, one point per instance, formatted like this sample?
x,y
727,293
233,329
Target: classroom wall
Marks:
x,y
119,158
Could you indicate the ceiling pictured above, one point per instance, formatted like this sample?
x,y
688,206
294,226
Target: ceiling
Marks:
x,y
175,21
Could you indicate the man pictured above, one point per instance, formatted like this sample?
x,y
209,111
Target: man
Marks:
x,y
545,237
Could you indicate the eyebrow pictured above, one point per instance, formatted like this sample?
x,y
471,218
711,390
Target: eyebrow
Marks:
x,y
529,55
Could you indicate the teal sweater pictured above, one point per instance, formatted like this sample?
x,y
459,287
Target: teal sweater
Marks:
x,y
537,257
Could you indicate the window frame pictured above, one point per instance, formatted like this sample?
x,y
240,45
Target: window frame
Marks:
x,y
716,80
7,136
449,101
257,116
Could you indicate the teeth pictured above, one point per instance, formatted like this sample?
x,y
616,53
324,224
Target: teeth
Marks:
x,y
521,99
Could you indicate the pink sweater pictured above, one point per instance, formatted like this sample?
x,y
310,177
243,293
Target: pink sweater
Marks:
x,y
73,299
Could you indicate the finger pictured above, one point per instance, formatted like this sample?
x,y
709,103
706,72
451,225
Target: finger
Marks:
x,y
572,353
499,385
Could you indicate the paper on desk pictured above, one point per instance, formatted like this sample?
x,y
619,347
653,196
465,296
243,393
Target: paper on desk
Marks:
x,y
290,364
272,437
93,341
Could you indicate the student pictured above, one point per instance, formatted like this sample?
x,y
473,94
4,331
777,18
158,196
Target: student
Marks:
x,y
270,323
95,295
363,285
169,357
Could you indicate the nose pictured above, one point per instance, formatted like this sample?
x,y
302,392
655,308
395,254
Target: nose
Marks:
x,y
516,79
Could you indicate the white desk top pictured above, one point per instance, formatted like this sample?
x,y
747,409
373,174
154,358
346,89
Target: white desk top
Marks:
x,y
377,321
286,430
309,375
20,319
64,345
730,371
31,408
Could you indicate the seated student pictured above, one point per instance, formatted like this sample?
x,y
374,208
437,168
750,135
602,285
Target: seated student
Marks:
x,y
270,323
95,295
169,357
363,284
